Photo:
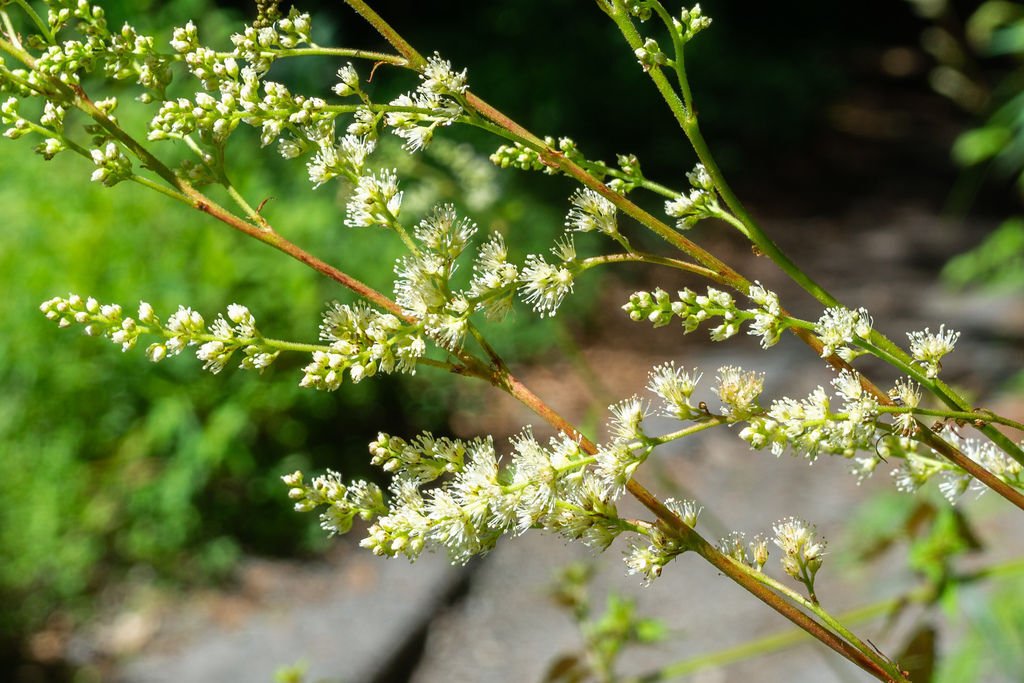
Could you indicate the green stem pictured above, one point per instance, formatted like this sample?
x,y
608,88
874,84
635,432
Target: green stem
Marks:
x,y
381,57
958,415
643,257
754,648
901,359
679,63
813,606
9,29
686,117
252,213
43,27
706,423
157,187
786,639
413,58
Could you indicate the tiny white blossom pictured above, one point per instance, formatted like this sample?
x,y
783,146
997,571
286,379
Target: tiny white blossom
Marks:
x,y
928,348
544,285
376,201
438,77
627,418
185,38
768,323
838,327
907,394
803,551
647,561
738,391
675,386
591,213
348,81
687,510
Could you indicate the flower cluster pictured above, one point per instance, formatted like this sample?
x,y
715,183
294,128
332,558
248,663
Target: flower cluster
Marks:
x,y
917,468
259,45
494,278
803,552
928,348
769,322
545,285
628,448
591,212
649,561
700,203
692,309
754,554
347,157
343,501
112,165
183,328
738,391
426,458
675,387
436,102
839,328
375,201
906,394
474,500
362,341
809,426
650,55
691,22
422,287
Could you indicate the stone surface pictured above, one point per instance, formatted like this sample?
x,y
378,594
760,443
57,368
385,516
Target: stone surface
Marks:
x,y
346,619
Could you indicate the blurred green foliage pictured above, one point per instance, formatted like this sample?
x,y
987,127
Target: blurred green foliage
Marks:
x,y
998,262
980,66
992,648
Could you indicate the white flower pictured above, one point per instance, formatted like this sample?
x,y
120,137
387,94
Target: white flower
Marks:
x,y
837,327
544,285
738,391
906,394
928,348
444,233
675,386
804,553
376,201
591,213
686,510
439,78
627,417
494,278
768,322
648,562
348,81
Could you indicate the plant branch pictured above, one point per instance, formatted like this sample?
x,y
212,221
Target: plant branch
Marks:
x,y
414,59
693,540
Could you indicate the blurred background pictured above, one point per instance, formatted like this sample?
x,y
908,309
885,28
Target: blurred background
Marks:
x,y
119,478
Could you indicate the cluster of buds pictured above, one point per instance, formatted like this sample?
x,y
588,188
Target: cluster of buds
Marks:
x,y
185,327
362,341
766,318
518,155
700,203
